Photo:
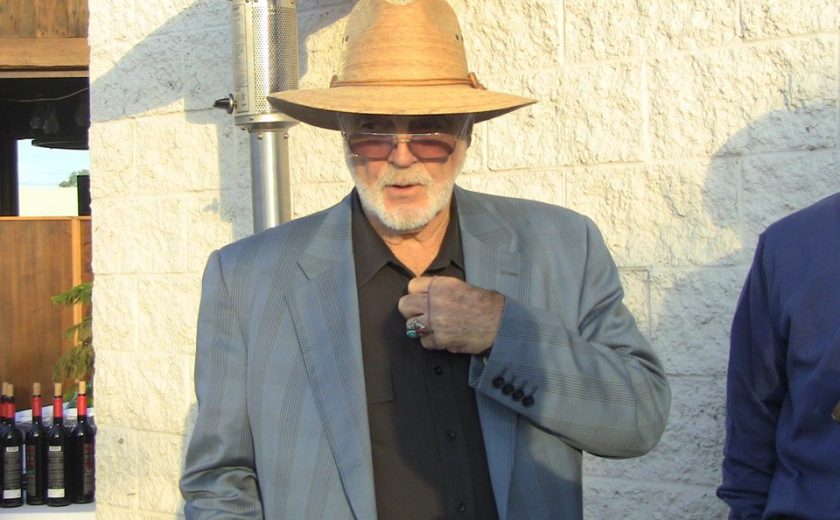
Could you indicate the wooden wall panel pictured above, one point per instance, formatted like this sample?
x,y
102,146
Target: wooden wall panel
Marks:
x,y
17,19
36,262
44,19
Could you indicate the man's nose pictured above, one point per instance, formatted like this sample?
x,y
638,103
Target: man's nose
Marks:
x,y
401,155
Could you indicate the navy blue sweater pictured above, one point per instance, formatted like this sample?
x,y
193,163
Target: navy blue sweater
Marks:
x,y
782,451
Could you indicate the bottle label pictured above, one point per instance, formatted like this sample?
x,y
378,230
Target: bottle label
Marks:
x,y
11,472
31,471
55,472
89,466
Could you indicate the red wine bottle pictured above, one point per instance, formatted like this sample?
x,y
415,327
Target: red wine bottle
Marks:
x,y
4,398
57,467
11,444
82,453
36,454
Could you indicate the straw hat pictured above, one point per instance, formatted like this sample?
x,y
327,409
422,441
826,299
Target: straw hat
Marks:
x,y
399,60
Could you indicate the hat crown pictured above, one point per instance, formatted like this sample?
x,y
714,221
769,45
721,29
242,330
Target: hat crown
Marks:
x,y
387,43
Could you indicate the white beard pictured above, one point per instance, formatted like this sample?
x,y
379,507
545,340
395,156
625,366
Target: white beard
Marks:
x,y
399,219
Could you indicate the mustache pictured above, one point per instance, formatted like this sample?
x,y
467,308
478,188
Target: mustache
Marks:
x,y
403,177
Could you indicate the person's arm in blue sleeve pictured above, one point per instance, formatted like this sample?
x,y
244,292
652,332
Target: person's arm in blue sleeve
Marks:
x,y
756,389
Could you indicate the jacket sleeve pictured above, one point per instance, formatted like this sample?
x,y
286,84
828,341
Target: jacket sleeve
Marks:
x,y
755,390
598,386
219,479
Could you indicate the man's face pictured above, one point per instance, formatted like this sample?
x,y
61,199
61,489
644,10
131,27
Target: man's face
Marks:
x,y
404,167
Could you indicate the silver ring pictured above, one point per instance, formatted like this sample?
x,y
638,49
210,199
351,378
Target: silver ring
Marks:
x,y
416,330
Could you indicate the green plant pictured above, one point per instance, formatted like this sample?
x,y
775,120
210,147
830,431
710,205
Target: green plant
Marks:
x,y
77,363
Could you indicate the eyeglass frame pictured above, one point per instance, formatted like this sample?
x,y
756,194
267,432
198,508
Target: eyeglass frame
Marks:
x,y
465,131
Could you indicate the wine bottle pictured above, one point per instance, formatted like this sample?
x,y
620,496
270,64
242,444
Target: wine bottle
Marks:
x,y
4,398
36,453
57,467
11,443
82,453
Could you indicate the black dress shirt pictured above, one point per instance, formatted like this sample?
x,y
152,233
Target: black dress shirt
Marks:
x,y
428,452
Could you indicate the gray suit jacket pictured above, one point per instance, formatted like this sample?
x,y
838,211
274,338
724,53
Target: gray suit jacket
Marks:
x,y
282,430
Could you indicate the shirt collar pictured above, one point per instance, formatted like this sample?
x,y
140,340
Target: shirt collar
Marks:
x,y
371,254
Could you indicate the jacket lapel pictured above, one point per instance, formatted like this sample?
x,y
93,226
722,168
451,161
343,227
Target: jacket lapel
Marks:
x,y
492,262
325,312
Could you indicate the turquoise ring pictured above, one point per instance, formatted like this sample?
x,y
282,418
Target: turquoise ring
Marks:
x,y
416,330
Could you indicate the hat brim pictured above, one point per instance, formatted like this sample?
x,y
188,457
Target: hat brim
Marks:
x,y
320,107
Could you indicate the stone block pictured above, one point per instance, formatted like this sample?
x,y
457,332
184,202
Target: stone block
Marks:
x,y
215,152
691,317
112,159
501,37
168,312
115,312
681,24
154,19
606,499
165,382
215,219
116,393
158,229
707,103
185,152
636,284
105,511
803,178
598,30
584,115
109,21
173,72
544,186
118,455
114,242
762,19
164,454
690,451
673,214
321,31
316,155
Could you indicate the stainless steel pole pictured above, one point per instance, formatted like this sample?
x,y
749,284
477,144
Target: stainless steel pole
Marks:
x,y
270,179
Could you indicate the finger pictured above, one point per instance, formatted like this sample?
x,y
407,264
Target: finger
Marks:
x,y
419,285
430,343
412,305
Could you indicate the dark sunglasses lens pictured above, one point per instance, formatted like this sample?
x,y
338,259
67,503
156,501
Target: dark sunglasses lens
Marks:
x,y
432,146
371,146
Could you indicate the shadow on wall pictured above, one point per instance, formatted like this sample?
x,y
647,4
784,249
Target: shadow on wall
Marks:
x,y
179,69
779,163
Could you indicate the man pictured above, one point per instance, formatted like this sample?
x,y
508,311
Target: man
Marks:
x,y
418,350
783,388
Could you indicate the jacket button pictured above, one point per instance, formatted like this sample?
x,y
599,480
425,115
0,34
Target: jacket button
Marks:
x,y
507,389
528,401
518,394
836,413
498,382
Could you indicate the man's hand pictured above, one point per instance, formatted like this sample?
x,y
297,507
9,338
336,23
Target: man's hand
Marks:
x,y
463,319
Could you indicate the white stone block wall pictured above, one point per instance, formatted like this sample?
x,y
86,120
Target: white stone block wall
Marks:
x,y
681,127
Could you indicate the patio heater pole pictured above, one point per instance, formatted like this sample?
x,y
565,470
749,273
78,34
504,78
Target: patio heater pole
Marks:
x,y
265,61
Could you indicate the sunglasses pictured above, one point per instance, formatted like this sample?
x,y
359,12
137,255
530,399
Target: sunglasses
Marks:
x,y
378,147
